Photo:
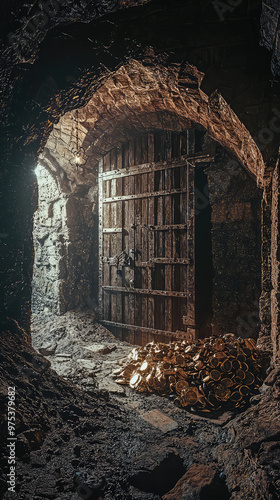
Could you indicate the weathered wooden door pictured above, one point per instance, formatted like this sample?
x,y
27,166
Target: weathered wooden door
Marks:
x,y
146,239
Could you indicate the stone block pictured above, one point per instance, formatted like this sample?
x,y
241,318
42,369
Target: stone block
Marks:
x,y
197,478
101,348
160,420
48,350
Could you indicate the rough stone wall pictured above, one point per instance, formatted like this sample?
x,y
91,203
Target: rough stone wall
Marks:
x,y
65,240
275,265
236,247
50,239
270,31
78,275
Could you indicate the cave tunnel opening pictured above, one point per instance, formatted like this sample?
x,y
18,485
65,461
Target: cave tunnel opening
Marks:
x,y
142,242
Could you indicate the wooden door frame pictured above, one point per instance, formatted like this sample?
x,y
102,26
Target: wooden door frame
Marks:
x,y
185,160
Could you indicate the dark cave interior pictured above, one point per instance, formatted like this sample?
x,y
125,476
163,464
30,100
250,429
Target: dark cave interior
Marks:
x,y
169,94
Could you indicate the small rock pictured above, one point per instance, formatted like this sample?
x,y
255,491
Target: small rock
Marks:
x,y
101,348
255,399
160,420
77,451
75,462
199,479
263,388
48,350
273,376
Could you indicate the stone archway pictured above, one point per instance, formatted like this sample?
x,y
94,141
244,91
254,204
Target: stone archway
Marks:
x,y
138,98
134,100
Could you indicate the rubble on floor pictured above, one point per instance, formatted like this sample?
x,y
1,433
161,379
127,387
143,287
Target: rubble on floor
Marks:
x,y
73,441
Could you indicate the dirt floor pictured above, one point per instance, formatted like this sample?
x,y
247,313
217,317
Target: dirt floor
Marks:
x,y
81,435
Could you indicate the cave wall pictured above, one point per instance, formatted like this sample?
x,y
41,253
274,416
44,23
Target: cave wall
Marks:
x,y
65,244
235,203
78,279
50,235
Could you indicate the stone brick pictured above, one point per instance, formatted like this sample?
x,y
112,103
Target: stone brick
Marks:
x,y
159,420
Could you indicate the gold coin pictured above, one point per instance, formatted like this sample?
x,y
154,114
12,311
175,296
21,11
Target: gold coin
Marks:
x,y
149,358
166,366
244,390
221,392
150,381
190,397
235,397
199,365
249,378
162,384
241,358
181,384
144,367
236,365
180,360
226,382
250,343
215,375
247,352
172,379
240,374
167,359
226,366
182,373
168,372
188,349
157,384
219,345
214,362
135,380
122,381
244,367
211,399
117,372
196,357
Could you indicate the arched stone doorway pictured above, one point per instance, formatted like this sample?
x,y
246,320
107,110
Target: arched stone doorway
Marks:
x,y
134,102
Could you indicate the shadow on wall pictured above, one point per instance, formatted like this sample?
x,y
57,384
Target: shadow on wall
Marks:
x,y
236,247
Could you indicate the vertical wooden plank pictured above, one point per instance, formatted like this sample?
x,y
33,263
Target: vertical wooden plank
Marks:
x,y
107,239
125,246
138,240
159,236
191,245
131,244
184,143
114,223
175,145
168,235
144,239
191,141
119,241
100,237
151,242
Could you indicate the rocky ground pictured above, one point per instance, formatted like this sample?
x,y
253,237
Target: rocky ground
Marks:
x,y
80,435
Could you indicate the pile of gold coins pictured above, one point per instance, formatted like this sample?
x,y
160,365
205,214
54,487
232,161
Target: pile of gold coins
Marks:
x,y
204,375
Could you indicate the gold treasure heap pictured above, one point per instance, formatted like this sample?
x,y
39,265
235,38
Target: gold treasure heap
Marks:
x,y
205,374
